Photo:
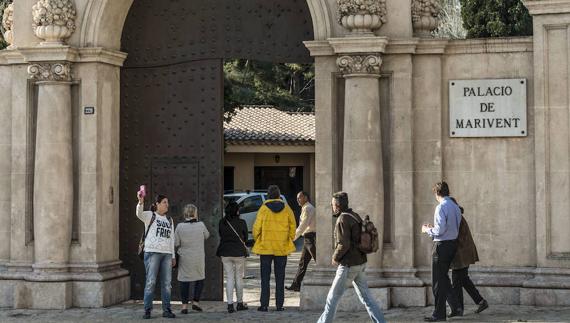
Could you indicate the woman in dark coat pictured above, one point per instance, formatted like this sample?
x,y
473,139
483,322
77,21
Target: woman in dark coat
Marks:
x,y
233,251
466,255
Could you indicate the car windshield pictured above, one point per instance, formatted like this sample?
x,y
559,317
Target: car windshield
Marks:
x,y
228,199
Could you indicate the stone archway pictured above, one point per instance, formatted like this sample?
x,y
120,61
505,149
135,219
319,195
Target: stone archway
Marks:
x,y
103,22
86,77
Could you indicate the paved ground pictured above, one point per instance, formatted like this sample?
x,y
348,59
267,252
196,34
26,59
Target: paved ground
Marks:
x,y
215,311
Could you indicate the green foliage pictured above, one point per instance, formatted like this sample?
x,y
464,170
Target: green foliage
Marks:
x,y
495,18
284,85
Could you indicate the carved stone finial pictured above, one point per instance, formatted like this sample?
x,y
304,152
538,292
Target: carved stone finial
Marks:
x,y
425,16
58,71
360,64
8,22
361,16
53,21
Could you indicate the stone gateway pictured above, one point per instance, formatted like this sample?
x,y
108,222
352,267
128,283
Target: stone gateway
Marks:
x,y
383,112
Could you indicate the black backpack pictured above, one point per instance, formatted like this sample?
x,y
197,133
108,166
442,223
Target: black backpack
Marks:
x,y
369,241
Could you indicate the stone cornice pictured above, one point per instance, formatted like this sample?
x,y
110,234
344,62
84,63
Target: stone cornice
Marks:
x,y
319,48
544,7
62,53
423,46
48,54
431,46
496,45
101,55
353,45
402,46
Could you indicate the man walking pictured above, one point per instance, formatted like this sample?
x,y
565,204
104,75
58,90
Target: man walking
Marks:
x,y
350,260
465,256
444,232
307,229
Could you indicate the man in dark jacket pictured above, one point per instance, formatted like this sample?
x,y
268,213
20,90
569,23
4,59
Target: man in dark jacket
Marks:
x,y
466,255
350,260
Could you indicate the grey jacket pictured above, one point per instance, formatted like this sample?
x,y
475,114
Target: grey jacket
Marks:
x,y
189,239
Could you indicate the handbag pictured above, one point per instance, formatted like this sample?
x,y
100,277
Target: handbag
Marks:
x,y
140,252
240,239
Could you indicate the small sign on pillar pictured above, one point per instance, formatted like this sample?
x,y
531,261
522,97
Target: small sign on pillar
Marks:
x,y
488,108
88,110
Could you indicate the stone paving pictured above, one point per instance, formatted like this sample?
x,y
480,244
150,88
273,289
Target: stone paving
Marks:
x,y
216,312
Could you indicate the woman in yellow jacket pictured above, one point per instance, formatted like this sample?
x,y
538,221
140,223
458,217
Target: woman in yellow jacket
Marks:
x,y
273,232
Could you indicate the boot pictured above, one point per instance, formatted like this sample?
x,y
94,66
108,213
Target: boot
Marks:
x,y
483,305
231,308
241,307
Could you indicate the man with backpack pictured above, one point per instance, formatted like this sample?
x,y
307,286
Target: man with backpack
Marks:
x,y
350,259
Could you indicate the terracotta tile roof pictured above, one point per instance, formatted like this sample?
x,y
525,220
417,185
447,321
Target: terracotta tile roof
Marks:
x,y
266,125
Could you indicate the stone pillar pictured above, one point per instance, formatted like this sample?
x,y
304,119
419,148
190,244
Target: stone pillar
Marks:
x,y
362,172
551,60
53,171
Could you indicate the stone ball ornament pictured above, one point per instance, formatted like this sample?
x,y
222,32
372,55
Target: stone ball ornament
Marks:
x,y
425,16
362,16
54,21
7,23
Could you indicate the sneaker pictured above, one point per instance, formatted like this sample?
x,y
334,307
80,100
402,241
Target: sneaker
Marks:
x,y
241,307
455,313
168,314
196,308
146,315
262,309
280,309
231,308
184,311
483,305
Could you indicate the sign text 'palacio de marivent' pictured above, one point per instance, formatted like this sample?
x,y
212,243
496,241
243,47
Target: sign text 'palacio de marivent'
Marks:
x,y
487,108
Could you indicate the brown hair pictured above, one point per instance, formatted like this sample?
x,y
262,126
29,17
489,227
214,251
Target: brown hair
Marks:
x,y
441,189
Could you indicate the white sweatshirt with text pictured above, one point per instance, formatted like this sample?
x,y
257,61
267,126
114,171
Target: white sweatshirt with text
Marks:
x,y
160,237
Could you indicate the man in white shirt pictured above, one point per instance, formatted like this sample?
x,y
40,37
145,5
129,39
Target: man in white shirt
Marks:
x,y
308,229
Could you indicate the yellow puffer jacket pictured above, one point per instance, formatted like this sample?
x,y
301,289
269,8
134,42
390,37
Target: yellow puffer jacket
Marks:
x,y
274,229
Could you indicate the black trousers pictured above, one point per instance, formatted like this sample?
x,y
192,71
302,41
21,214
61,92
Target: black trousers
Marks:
x,y
459,280
442,255
309,252
191,289
279,263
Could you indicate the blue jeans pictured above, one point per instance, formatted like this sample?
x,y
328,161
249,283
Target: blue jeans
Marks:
x,y
153,263
357,276
279,263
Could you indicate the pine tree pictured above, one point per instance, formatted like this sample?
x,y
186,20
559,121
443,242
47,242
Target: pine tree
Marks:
x,y
288,86
495,18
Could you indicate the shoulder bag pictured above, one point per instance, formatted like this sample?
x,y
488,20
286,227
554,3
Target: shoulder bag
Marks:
x,y
140,252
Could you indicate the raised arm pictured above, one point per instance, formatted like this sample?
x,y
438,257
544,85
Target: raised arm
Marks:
x,y
143,215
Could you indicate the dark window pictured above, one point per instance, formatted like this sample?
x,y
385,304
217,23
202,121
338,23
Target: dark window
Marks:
x,y
250,204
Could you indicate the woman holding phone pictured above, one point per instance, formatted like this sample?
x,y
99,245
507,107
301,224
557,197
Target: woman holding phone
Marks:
x,y
158,252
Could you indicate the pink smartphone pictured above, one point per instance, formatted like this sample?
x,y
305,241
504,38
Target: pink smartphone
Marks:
x,y
142,191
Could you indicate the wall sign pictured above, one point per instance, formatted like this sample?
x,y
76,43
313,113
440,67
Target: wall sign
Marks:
x,y
487,108
88,110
